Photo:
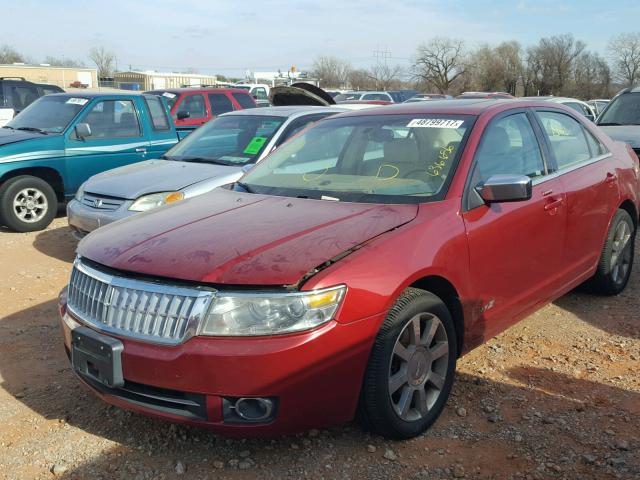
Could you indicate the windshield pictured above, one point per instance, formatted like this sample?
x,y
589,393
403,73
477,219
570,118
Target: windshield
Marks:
x,y
623,110
50,114
230,140
375,158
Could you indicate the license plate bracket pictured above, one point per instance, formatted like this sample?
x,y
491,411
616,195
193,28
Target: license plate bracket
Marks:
x,y
96,356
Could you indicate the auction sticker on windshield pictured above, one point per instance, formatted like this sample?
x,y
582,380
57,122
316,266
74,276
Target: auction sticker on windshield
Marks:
x,y
255,145
169,95
77,101
435,123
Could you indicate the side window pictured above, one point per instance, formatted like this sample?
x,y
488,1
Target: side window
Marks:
x,y
509,146
158,113
113,119
23,96
194,105
595,146
260,93
220,103
243,99
566,137
376,96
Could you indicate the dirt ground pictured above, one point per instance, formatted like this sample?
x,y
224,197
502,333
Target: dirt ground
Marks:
x,y
556,396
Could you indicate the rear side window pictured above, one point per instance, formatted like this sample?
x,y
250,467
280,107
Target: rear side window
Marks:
x,y
113,119
509,146
194,106
596,147
220,103
566,137
243,99
158,113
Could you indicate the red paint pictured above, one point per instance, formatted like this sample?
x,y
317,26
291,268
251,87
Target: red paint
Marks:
x,y
515,257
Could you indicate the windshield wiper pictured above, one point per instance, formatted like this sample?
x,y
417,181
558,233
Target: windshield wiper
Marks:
x,y
32,129
202,160
10,128
245,187
608,124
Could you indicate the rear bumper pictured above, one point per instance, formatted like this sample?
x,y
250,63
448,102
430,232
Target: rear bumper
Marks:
x,y
83,219
314,377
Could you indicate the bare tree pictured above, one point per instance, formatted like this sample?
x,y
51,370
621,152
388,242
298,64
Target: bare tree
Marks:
x,y
385,76
64,62
592,77
361,80
624,52
550,63
104,60
10,55
439,62
331,71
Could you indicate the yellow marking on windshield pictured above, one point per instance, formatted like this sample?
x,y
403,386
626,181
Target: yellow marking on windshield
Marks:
x,y
387,178
437,167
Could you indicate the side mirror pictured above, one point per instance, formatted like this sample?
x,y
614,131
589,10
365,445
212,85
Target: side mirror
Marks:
x,y
181,115
83,130
505,188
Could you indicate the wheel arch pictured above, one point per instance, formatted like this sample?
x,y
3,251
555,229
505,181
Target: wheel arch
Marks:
x,y
445,290
48,174
630,208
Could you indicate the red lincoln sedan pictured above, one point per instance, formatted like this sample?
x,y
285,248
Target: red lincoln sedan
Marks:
x,y
348,271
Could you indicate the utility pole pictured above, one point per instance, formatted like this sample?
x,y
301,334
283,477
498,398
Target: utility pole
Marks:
x,y
381,56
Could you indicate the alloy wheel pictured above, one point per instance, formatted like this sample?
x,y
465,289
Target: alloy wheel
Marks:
x,y
418,366
621,252
30,205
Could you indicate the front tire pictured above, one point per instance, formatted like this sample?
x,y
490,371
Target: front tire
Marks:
x,y
616,259
27,204
411,367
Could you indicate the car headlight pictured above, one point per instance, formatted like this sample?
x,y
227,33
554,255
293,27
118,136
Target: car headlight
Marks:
x,y
155,200
271,313
80,192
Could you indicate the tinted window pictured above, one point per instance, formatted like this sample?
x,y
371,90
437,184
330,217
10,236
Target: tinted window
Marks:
x,y
158,113
260,93
113,119
376,96
50,114
220,103
243,99
230,140
22,95
566,137
623,110
577,107
368,158
509,146
194,105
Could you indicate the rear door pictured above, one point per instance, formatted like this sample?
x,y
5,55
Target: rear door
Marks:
x,y
590,180
117,139
515,248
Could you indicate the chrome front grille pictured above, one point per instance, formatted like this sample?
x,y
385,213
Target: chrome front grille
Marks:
x,y
99,202
137,309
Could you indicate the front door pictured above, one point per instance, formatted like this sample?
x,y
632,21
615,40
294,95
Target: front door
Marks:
x,y
116,139
515,248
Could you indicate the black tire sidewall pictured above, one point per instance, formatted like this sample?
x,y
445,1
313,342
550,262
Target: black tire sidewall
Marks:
x,y
378,409
10,189
607,284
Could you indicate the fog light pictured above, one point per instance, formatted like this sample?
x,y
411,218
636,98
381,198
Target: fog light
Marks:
x,y
254,409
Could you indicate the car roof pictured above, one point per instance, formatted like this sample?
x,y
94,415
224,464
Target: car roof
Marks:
x,y
287,111
476,106
96,94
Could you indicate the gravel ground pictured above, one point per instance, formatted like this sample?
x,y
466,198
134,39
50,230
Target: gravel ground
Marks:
x,y
556,396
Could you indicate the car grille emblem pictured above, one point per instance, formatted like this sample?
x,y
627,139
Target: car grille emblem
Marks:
x,y
97,203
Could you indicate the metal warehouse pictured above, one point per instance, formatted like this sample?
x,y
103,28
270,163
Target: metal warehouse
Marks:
x,y
156,80
61,76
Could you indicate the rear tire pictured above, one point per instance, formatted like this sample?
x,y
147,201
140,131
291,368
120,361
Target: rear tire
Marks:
x,y
411,367
27,204
616,260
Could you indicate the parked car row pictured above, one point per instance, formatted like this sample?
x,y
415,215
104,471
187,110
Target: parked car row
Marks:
x,y
345,273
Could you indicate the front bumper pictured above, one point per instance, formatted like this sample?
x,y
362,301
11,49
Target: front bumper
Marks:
x,y
314,377
84,219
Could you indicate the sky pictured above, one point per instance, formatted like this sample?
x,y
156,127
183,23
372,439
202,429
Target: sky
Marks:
x,y
231,37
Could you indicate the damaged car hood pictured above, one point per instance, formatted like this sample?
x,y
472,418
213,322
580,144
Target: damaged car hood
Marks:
x,y
227,237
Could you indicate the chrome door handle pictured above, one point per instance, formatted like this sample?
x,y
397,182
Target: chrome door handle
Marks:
x,y
141,150
553,204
